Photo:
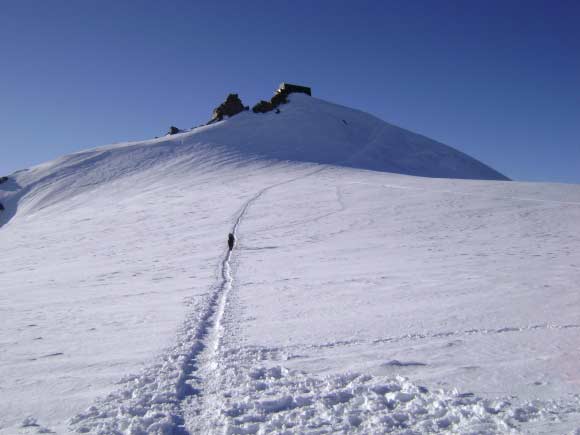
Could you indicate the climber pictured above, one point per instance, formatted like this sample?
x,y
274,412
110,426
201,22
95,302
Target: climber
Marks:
x,y
231,240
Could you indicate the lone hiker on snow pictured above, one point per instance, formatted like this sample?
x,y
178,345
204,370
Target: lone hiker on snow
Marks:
x,y
231,240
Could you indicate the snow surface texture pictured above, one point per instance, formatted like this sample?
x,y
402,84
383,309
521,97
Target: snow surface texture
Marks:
x,y
354,301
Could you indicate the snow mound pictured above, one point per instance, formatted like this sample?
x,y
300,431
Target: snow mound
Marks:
x,y
313,130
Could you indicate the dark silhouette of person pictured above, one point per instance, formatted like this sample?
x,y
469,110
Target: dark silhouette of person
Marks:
x,y
231,240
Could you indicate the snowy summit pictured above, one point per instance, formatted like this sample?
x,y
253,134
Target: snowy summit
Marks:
x,y
314,130
375,281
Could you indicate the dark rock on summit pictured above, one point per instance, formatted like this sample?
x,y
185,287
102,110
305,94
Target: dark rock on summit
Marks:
x,y
280,97
262,107
1,207
3,180
288,88
232,106
173,130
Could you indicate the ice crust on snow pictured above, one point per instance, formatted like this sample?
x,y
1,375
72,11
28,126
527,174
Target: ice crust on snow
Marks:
x,y
355,301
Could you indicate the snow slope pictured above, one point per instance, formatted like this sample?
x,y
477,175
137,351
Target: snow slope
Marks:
x,y
355,301
313,130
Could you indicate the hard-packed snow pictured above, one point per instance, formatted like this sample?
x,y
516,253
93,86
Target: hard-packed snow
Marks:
x,y
354,301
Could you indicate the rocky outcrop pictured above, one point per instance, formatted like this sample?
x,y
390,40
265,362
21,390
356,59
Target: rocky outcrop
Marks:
x,y
289,88
280,97
1,207
263,107
268,106
173,130
3,180
232,106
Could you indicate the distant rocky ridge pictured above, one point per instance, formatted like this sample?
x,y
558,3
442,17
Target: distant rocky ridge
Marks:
x,y
233,104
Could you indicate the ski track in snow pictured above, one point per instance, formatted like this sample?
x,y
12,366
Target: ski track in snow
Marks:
x,y
202,386
420,336
155,401
201,410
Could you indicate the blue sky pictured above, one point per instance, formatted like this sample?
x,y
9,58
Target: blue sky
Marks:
x,y
499,80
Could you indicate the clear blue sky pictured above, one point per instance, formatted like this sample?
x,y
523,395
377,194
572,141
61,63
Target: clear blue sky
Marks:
x,y
499,80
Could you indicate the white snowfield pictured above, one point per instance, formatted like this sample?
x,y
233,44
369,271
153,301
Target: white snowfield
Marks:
x,y
354,301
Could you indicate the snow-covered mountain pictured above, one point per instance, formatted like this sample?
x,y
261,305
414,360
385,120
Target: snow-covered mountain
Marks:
x,y
355,300
313,130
